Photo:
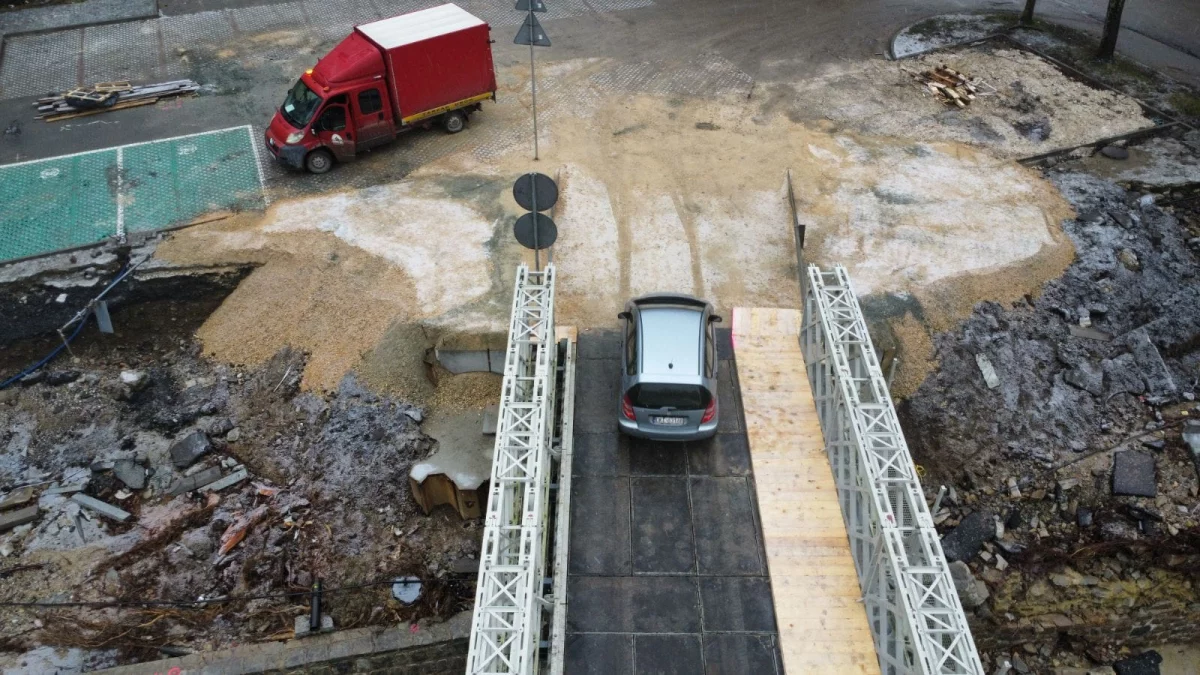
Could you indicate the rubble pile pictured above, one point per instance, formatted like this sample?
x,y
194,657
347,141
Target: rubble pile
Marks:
x,y
1067,432
140,470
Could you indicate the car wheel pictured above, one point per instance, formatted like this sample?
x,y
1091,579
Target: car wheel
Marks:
x,y
454,122
318,161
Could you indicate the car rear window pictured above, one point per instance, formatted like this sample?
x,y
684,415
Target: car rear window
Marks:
x,y
677,396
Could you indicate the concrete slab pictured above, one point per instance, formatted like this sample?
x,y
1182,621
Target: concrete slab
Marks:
x,y
745,653
667,655
737,604
721,455
599,344
596,403
600,531
662,526
598,653
727,540
604,454
657,458
195,481
633,605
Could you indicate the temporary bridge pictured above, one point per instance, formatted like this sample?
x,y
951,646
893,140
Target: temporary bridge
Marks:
x,y
869,592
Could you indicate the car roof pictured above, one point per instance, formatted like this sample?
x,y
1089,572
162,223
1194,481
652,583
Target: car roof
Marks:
x,y
670,340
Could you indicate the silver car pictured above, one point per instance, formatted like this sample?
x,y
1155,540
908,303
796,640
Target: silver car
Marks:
x,y
669,379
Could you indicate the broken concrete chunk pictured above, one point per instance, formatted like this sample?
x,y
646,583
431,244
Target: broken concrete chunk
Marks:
x,y
989,372
218,426
134,379
230,480
1191,438
132,474
1086,376
11,519
190,448
971,591
415,415
233,435
106,510
964,541
1133,474
1129,259
195,481
17,497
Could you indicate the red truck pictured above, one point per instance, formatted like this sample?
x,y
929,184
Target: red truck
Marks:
x,y
416,70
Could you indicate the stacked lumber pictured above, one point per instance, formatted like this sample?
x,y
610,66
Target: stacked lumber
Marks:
x,y
105,96
950,86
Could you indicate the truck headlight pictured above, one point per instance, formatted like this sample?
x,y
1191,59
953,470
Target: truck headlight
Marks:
x,y
294,137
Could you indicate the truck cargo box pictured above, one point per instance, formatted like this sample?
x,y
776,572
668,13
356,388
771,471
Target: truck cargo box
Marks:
x,y
435,58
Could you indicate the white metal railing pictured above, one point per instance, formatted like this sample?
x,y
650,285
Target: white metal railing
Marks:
x,y
507,623
914,612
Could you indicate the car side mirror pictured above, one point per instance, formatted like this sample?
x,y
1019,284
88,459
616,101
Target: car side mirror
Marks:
x,y
714,319
625,315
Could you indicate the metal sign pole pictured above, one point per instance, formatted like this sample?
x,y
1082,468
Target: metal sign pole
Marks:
x,y
533,89
537,258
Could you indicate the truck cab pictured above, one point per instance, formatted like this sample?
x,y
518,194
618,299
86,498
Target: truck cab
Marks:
x,y
351,100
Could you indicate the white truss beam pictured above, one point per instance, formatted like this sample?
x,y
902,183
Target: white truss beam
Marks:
x,y
914,611
507,622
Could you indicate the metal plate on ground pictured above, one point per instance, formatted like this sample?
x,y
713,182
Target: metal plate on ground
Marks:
x,y
547,231
547,191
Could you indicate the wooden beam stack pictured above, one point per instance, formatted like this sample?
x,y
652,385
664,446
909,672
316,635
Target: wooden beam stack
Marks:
x,y
950,86
56,106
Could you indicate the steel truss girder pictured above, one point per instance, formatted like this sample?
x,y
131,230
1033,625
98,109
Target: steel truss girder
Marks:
x,y
507,622
912,607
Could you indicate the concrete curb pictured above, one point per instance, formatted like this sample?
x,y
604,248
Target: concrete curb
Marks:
x,y
891,50
296,654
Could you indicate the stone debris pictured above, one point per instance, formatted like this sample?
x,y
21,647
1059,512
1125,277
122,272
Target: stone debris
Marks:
x,y
13,519
989,371
185,451
104,509
964,542
240,474
1133,474
132,474
971,591
195,481
17,497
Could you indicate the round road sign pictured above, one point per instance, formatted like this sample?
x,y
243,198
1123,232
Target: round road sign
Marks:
x,y
547,191
547,232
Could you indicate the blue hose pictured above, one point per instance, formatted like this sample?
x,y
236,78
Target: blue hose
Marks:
x,y
78,329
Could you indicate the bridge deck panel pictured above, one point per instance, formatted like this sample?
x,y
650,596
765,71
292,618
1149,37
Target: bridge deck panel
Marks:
x,y
822,625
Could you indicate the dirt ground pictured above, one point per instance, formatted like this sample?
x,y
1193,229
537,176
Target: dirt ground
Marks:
x,y
665,191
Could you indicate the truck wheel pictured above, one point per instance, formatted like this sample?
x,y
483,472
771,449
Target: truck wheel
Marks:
x,y
318,161
454,122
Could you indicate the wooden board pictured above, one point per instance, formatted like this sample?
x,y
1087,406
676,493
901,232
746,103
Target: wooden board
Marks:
x,y
822,625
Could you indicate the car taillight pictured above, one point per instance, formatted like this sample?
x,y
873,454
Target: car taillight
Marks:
x,y
709,412
627,408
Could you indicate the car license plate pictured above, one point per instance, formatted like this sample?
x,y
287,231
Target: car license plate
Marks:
x,y
669,421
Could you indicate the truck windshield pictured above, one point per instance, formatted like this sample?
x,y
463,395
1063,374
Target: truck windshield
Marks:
x,y
300,105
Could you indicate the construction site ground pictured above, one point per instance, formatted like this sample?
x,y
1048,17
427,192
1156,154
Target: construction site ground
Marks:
x,y
672,135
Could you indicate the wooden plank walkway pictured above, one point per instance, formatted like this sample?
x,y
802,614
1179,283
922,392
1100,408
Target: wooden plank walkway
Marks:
x,y
822,625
